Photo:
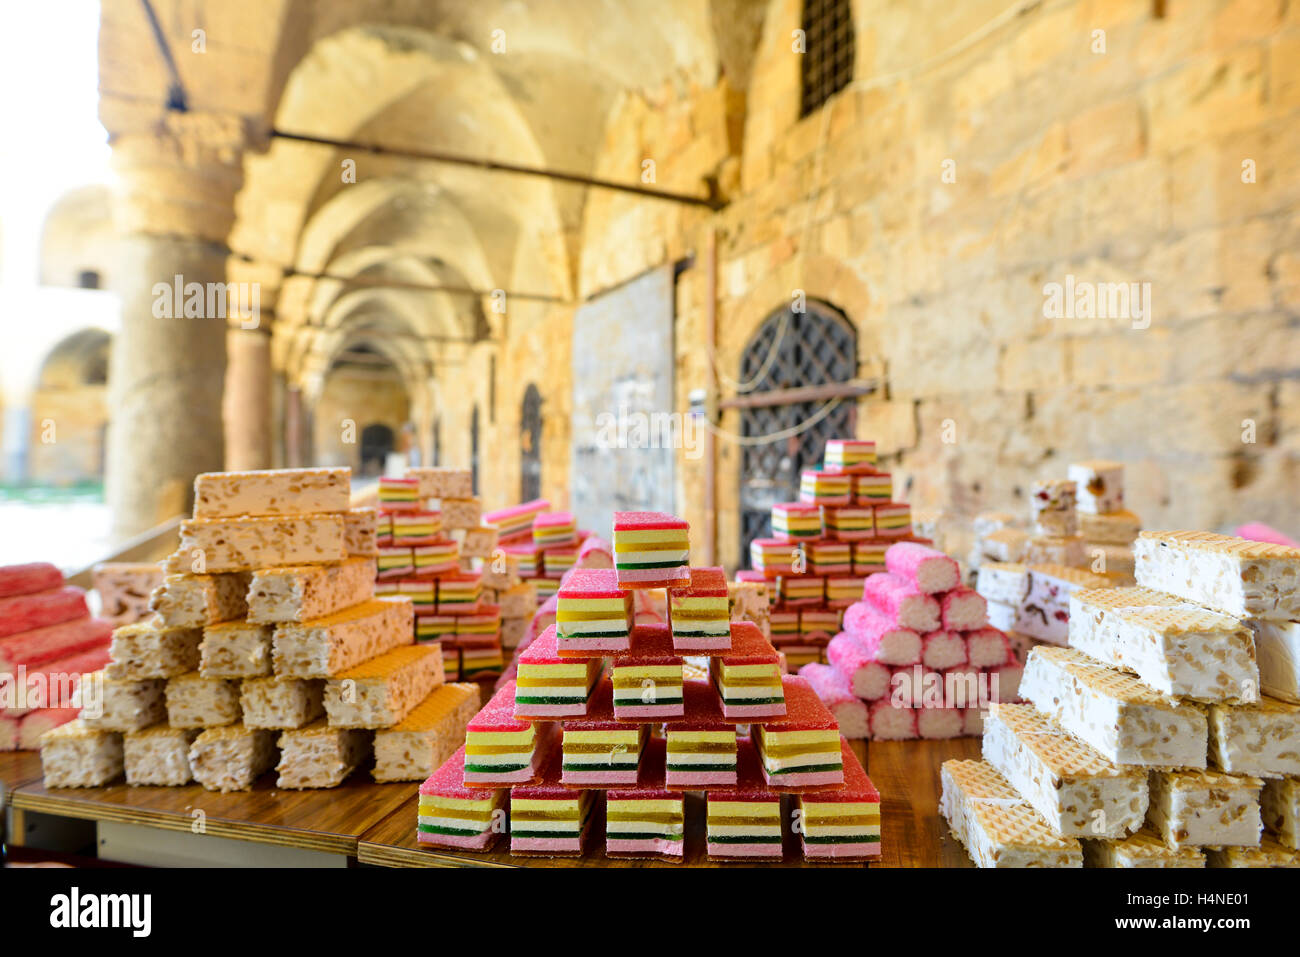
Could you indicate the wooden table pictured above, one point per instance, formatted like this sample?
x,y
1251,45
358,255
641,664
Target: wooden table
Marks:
x,y
17,768
375,823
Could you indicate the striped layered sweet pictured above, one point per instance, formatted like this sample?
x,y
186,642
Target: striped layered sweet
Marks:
x,y
459,594
701,745
593,615
798,590
869,557
423,593
399,494
600,751
851,524
748,677
484,622
517,520
800,749
825,488
394,561
651,549
434,627
830,557
647,820
548,819
773,557
799,652
842,825
555,528
783,624
893,520
647,678
500,749
527,556
437,558
481,656
698,612
874,489
843,590
744,822
847,454
819,624
548,686
415,528
452,815
557,561
796,521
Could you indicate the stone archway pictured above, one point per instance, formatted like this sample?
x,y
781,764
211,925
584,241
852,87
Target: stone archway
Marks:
x,y
69,411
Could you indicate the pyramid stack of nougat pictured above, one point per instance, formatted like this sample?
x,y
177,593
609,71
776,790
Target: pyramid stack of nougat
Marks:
x,y
267,648
1165,735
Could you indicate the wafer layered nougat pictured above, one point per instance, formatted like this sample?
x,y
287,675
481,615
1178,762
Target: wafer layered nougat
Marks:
x,y
1076,790
159,756
1143,849
1269,853
192,601
413,748
147,650
1115,713
1175,647
319,756
197,702
232,757
281,703
1279,804
1277,650
1261,739
996,825
127,705
1200,808
1233,576
235,649
305,592
243,544
325,646
75,756
384,690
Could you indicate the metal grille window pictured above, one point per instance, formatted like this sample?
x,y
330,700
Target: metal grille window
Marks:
x,y
828,51
791,355
530,446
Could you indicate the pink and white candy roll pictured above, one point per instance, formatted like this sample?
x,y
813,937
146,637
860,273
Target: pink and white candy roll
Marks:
x,y
901,602
28,578
867,678
929,569
964,609
41,609
892,724
939,723
987,648
835,692
881,638
943,649
595,552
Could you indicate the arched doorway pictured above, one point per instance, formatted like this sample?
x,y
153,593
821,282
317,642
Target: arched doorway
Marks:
x,y
360,412
377,440
69,411
791,350
530,446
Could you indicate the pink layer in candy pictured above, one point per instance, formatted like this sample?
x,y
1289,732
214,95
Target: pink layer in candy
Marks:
x,y
41,609
835,692
28,578
943,649
35,724
868,678
881,638
986,648
889,723
901,602
644,847
930,570
653,577
964,609
628,521
42,645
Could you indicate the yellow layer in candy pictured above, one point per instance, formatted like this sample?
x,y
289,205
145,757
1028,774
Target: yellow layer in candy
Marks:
x,y
625,675
636,810
542,676
551,809
750,674
589,609
512,739
602,738
778,743
725,812
839,812
460,806
650,536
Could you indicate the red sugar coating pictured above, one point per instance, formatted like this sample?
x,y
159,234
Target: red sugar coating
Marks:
x,y
703,710
650,777
542,650
499,713
42,608
627,521
704,583
41,645
650,644
521,549
802,507
804,711
547,519
48,691
600,711
750,783
906,559
548,784
590,583
857,786
748,646
449,780
28,578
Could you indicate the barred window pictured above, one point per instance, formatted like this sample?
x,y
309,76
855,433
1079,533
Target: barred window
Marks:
x,y
828,51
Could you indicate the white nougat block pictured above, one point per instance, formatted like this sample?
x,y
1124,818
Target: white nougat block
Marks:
x,y
1233,576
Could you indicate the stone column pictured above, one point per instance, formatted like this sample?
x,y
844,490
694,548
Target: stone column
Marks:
x,y
173,210
247,411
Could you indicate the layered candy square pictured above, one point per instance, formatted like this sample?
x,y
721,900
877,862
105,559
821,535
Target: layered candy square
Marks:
x,y
844,455
647,820
701,744
399,494
552,529
593,614
876,488
647,678
500,749
893,519
651,549
800,749
748,677
851,523
773,557
453,815
459,593
842,825
744,822
517,520
869,557
798,590
825,488
796,521
599,750
549,819
550,686
830,557
416,527
437,558
698,612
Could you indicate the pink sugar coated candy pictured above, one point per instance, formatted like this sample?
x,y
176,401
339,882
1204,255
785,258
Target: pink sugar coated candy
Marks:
x,y
39,609
595,552
987,648
881,639
868,679
929,569
42,645
889,723
836,693
943,649
964,609
939,723
28,578
901,602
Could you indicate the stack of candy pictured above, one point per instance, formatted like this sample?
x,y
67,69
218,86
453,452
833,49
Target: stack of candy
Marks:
x,y
917,657
1147,741
1108,528
124,589
823,547
606,711
266,648
47,642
